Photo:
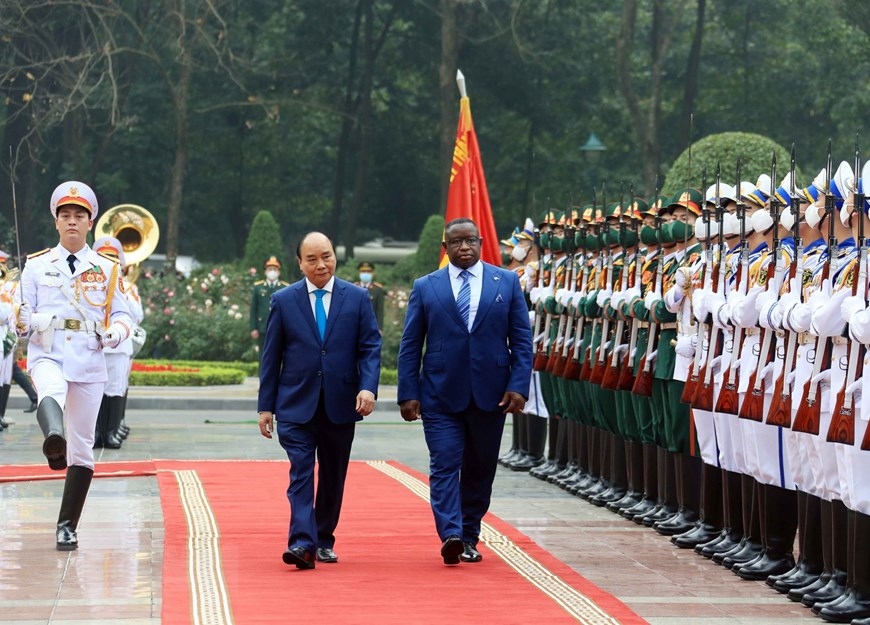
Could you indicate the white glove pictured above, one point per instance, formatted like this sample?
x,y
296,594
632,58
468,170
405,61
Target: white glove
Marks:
x,y
699,304
559,295
859,326
652,298
682,276
603,297
576,298
818,299
852,306
715,366
676,294
23,323
684,346
5,311
827,319
823,380
114,335
743,310
855,390
632,293
617,298
769,313
530,273
716,304
798,318
766,374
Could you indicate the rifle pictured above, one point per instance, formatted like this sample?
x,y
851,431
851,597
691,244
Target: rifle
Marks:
x,y
610,379
780,405
703,397
842,428
586,370
571,368
556,363
753,403
693,375
644,379
728,397
597,372
626,375
540,335
809,412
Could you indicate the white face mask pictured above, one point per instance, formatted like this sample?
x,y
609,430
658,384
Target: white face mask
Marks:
x,y
761,221
730,225
813,216
786,218
519,253
365,277
272,275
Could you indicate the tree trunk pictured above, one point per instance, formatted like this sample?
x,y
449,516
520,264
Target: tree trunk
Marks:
x,y
690,82
365,127
348,119
451,42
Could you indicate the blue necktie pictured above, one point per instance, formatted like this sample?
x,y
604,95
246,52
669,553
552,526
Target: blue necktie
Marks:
x,y
320,312
463,298
71,261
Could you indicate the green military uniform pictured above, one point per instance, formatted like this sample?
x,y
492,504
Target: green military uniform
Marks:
x,y
261,301
377,292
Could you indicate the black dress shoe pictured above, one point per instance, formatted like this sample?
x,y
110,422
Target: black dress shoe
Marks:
x,y
471,554
66,537
3,424
451,548
298,557
326,554
32,407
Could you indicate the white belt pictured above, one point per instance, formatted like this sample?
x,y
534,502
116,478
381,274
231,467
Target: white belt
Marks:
x,y
752,331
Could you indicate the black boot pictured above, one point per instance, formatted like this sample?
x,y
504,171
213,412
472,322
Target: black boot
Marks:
x,y
710,523
23,380
750,545
124,429
49,415
114,414
779,525
666,501
838,582
618,472
809,565
75,491
520,450
650,485
102,424
542,471
634,493
511,453
561,457
830,574
4,399
536,437
855,603
687,473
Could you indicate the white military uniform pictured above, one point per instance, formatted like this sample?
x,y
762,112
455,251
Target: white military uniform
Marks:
x,y
65,356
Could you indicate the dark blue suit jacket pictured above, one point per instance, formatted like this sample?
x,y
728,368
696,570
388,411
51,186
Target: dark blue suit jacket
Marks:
x,y
458,365
296,365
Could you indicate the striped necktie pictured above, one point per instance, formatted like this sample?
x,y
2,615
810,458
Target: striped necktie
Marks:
x,y
463,298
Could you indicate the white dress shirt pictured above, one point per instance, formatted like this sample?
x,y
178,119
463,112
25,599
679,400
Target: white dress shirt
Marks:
x,y
327,297
475,281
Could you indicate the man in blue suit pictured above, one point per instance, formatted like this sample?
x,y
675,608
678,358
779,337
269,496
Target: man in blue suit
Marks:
x,y
477,367
318,377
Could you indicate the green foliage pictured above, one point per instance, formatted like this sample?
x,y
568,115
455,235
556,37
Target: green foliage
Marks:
x,y
425,259
752,151
250,369
204,317
264,240
207,376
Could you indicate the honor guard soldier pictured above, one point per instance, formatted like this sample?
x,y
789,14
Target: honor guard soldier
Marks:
x,y
9,369
71,306
376,290
261,300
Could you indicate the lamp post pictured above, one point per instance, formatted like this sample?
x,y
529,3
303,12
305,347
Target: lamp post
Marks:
x,y
592,150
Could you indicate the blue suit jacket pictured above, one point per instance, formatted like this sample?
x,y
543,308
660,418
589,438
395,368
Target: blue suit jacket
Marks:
x,y
296,365
458,364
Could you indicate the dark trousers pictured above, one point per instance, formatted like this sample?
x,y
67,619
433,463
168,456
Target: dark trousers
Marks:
x,y
313,518
463,458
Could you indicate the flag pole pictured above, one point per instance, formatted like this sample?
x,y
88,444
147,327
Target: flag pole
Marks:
x,y
460,82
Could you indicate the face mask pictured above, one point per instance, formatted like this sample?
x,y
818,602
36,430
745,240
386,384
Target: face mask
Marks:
x,y
505,258
611,237
667,232
545,240
786,219
730,225
813,216
761,221
592,243
701,231
648,235
557,244
272,275
628,238
519,253
681,231
365,277
580,239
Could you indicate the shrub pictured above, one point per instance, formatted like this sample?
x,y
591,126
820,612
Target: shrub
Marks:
x,y
207,376
264,240
753,151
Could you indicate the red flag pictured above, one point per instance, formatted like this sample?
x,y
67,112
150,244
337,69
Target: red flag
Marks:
x,y
467,196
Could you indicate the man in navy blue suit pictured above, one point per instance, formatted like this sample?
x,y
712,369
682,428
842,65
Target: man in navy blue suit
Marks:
x,y
318,377
476,368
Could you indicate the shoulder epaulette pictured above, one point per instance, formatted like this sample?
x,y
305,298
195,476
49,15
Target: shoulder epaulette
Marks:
x,y
259,282
378,284
39,253
282,283
107,257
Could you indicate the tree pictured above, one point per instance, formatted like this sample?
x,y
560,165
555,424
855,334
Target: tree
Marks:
x,y
264,240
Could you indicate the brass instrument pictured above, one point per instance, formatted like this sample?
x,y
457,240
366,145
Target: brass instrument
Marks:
x,y
136,229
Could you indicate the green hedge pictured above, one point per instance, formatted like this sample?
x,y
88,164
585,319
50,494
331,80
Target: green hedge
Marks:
x,y
250,369
207,376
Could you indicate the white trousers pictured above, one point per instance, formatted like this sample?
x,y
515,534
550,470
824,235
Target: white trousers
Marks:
x,y
80,402
118,366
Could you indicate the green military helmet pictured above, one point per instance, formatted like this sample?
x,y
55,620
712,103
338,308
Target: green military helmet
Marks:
x,y
637,208
613,210
655,205
549,218
557,241
690,199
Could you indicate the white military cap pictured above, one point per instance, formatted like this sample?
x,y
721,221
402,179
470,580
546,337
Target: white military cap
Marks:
x,y
74,193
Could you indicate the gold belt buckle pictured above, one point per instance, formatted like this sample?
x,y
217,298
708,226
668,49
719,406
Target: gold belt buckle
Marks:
x,y
72,324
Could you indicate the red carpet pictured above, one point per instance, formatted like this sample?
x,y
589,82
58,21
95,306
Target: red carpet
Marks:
x,y
226,527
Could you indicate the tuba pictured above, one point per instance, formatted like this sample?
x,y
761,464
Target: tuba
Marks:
x,y
136,229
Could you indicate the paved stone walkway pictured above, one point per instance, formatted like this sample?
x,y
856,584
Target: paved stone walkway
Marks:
x,y
115,576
